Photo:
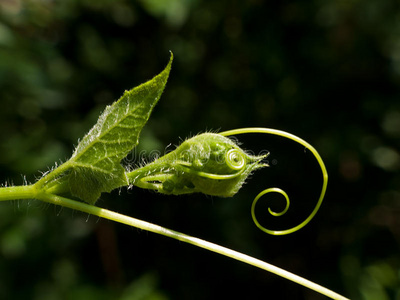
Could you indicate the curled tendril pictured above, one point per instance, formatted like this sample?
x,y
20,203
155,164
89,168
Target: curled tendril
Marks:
x,y
276,214
277,190
235,160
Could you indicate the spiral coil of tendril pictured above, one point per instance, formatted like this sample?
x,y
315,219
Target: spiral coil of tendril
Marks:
x,y
277,190
235,160
276,214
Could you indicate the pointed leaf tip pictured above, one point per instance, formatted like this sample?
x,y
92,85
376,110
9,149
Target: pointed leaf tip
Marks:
x,y
96,162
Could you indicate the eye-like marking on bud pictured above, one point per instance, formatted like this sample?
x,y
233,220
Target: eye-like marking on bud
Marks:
x,y
235,160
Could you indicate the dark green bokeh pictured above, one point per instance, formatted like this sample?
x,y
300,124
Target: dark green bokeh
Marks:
x,y
327,71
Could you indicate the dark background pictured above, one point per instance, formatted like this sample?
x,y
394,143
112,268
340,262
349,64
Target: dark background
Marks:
x,y
327,71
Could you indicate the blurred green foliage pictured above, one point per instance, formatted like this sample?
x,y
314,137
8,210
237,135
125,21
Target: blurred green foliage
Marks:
x,y
328,71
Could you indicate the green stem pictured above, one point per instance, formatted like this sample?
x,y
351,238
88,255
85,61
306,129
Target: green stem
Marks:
x,y
17,192
110,215
54,174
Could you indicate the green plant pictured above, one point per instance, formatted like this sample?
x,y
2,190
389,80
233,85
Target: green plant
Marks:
x,y
209,163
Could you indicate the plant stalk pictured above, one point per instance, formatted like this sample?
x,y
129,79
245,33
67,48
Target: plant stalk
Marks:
x,y
17,192
113,216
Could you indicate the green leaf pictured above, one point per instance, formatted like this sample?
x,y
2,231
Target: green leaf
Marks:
x,y
95,165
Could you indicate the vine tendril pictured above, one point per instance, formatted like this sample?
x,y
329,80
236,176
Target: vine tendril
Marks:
x,y
235,160
276,214
277,190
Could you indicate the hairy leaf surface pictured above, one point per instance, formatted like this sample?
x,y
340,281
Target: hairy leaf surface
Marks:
x,y
95,164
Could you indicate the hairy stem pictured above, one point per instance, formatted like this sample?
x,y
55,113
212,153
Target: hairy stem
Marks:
x,y
17,192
